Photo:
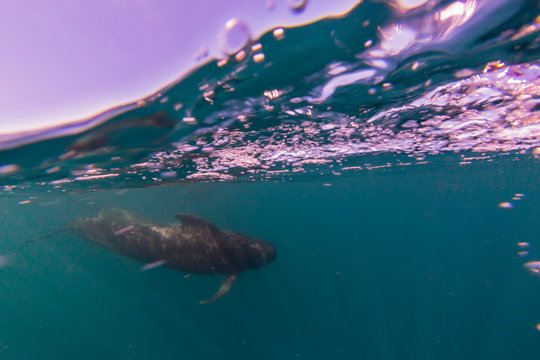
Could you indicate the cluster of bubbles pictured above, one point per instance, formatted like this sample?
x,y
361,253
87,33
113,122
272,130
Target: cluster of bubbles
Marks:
x,y
378,80
532,267
508,204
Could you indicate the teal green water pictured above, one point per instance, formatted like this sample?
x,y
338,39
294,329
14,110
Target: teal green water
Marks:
x,y
373,149
408,264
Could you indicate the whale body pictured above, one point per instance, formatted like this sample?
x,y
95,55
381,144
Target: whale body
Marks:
x,y
194,246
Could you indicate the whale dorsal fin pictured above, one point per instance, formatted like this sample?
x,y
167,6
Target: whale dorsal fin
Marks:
x,y
192,222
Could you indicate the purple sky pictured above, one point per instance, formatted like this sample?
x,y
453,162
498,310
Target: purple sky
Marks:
x,y
63,60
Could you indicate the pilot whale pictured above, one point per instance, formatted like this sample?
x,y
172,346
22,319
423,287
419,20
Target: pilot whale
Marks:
x,y
194,246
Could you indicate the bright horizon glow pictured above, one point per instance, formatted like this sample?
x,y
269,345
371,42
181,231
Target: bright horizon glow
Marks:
x,y
64,62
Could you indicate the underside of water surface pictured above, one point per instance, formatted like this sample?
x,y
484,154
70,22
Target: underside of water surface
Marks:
x,y
380,86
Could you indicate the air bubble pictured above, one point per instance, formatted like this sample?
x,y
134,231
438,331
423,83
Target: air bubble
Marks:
x,y
235,37
168,174
533,267
8,169
258,57
506,205
190,120
279,33
297,5
240,55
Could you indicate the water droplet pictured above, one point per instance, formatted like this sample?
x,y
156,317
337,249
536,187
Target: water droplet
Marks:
x,y
297,5
235,36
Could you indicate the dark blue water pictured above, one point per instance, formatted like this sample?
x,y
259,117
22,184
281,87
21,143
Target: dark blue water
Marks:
x,y
390,155
420,264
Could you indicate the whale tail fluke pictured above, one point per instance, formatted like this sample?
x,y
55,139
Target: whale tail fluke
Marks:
x,y
18,245
226,285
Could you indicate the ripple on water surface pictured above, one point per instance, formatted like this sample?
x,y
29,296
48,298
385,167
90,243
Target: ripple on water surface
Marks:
x,y
410,80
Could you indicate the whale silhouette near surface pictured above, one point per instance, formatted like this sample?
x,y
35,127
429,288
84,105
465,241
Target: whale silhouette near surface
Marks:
x,y
194,246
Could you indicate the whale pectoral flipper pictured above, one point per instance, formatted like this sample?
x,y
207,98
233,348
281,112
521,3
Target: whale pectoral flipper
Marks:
x,y
226,285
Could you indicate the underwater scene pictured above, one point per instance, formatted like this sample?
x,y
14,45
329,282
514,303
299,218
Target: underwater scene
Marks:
x,y
362,186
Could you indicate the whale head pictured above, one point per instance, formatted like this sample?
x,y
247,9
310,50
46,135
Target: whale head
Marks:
x,y
250,252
